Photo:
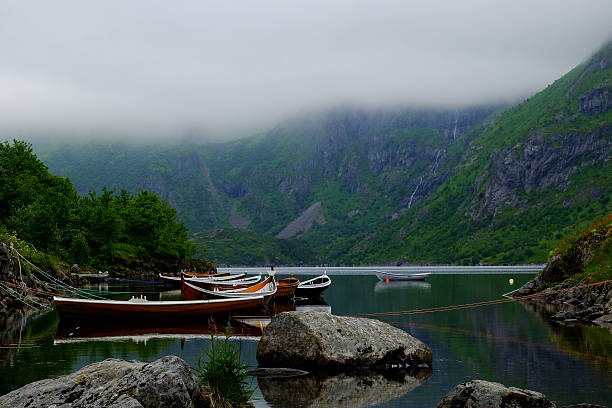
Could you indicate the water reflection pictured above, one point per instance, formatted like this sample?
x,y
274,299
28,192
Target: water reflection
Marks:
x,y
507,343
383,286
251,325
11,334
312,305
75,331
591,343
342,390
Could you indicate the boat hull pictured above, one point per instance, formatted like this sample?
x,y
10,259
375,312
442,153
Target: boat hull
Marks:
x,y
313,288
153,309
286,287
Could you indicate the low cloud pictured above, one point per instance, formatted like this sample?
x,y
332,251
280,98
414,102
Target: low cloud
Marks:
x,y
213,68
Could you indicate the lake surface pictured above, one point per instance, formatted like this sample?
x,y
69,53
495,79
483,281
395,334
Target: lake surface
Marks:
x,y
511,343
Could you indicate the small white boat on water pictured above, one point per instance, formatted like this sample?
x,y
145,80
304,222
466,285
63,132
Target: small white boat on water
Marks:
x,y
313,288
388,276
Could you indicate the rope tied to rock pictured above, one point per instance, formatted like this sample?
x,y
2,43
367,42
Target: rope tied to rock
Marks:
x,y
479,304
57,282
21,297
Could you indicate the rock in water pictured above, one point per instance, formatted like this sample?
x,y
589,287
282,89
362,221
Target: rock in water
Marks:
x,y
481,394
167,382
321,341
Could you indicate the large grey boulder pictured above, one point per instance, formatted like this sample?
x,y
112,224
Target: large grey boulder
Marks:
x,y
485,394
167,382
321,341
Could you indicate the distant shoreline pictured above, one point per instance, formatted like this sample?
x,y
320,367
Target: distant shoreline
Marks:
x,y
367,270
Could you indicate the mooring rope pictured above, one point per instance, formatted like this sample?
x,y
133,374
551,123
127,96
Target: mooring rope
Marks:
x,y
478,304
63,285
18,264
35,290
19,296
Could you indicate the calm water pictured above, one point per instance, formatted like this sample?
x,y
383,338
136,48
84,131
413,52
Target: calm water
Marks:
x,y
508,343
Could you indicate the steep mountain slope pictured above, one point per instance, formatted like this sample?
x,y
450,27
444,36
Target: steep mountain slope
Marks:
x,y
327,176
335,175
543,165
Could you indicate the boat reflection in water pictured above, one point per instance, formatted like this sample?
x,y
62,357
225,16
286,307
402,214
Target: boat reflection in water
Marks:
x,y
383,286
279,306
342,390
74,329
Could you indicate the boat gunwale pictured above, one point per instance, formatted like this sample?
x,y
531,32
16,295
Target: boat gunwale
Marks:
x,y
149,302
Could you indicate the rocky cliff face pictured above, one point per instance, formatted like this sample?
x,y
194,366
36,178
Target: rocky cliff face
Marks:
x,y
400,155
597,101
541,162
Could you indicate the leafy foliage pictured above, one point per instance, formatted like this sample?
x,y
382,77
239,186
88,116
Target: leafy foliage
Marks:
x,y
99,229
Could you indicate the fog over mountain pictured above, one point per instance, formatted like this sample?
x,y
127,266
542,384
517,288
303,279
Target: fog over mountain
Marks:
x,y
215,69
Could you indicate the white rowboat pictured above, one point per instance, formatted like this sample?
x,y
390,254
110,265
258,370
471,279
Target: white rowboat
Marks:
x,y
388,276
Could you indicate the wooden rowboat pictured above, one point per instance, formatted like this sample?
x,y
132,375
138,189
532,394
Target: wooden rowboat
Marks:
x,y
266,288
286,287
388,276
142,308
313,288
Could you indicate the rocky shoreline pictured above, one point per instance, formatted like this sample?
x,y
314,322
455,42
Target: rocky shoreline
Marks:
x,y
568,292
170,382
571,301
21,295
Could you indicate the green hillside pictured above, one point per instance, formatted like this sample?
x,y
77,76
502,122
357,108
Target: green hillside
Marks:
x,y
363,167
230,246
544,165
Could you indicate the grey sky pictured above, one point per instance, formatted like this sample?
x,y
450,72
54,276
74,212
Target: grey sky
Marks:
x,y
164,68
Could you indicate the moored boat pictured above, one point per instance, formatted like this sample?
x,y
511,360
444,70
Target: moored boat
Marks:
x,y
388,276
286,287
143,308
266,288
313,288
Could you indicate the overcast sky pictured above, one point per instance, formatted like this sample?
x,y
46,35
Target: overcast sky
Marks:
x,y
166,68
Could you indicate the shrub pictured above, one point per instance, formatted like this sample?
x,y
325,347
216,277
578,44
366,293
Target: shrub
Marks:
x,y
224,372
